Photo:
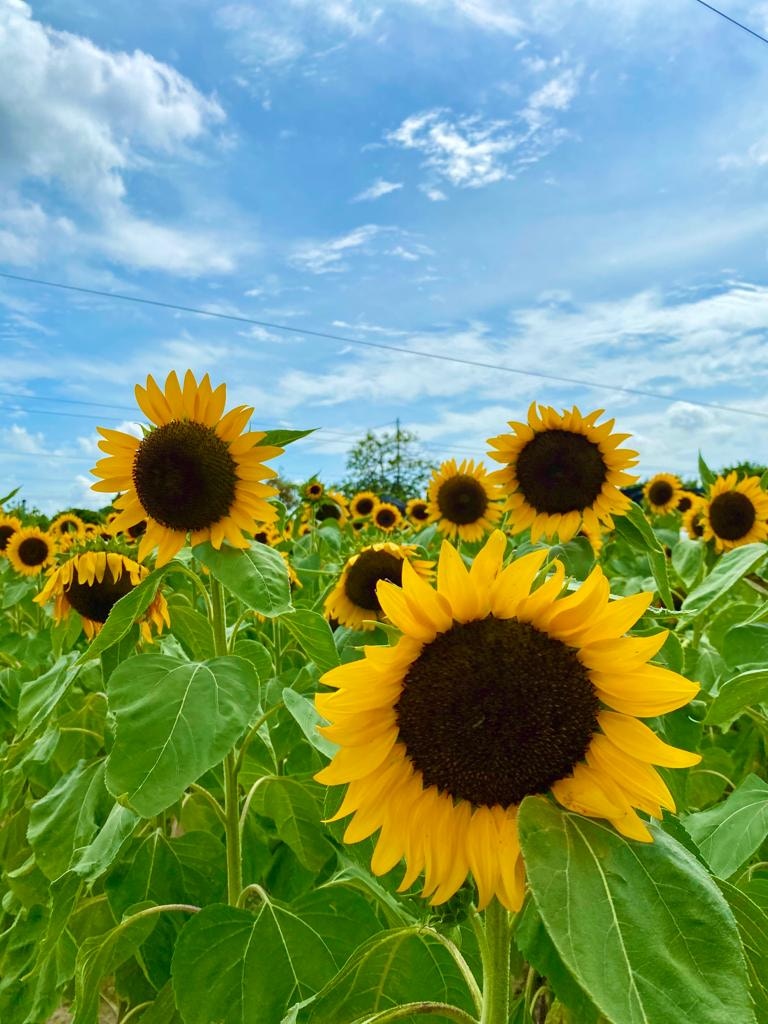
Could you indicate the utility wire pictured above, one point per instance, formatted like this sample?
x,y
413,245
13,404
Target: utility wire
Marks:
x,y
381,346
733,21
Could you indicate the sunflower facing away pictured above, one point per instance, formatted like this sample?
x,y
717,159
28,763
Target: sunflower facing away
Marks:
x,y
195,472
354,600
562,470
663,493
29,550
363,503
496,691
387,517
735,513
463,500
8,526
417,510
91,583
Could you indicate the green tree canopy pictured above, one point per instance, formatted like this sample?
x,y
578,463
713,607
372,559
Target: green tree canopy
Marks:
x,y
387,463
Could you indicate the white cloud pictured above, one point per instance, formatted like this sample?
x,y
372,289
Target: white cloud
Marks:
x,y
435,195
328,257
83,119
379,188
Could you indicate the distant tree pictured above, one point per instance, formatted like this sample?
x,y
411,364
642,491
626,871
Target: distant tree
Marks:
x,y
743,469
388,463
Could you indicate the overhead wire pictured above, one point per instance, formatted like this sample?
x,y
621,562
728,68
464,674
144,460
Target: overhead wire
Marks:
x,y
733,21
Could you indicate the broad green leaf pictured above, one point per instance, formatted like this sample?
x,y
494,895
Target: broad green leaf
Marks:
x,y
99,956
729,833
326,906
194,631
283,437
258,655
174,721
314,635
642,927
394,967
125,612
745,690
291,805
93,860
747,645
258,576
67,817
163,1009
307,719
753,928
40,696
728,570
688,561
233,966
638,532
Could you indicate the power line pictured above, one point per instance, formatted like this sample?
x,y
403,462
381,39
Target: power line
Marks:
x,y
381,346
733,21
66,401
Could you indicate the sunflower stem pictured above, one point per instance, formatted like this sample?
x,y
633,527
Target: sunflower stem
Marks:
x,y
230,766
496,964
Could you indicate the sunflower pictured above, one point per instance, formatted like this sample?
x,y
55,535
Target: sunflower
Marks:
x,y
8,526
29,550
462,500
417,510
736,512
663,493
363,503
562,470
314,490
387,517
67,525
693,520
353,601
91,583
687,500
331,506
496,691
267,533
195,472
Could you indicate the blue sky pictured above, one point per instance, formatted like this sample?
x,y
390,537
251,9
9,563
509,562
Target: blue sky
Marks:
x,y
571,188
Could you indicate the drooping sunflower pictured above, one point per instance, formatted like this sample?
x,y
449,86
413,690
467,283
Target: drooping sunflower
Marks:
x,y
8,526
496,691
417,510
693,519
91,583
562,470
463,500
663,493
363,504
331,506
67,525
195,472
354,600
736,512
387,517
29,550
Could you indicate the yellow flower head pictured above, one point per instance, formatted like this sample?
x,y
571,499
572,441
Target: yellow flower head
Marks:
x,y
463,500
736,512
363,504
496,690
663,493
387,517
417,510
29,550
8,526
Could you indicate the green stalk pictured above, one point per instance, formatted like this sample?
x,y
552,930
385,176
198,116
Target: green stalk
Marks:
x,y
496,964
230,766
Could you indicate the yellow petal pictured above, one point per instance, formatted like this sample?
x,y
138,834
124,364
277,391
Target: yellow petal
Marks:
x,y
582,792
636,739
514,583
454,584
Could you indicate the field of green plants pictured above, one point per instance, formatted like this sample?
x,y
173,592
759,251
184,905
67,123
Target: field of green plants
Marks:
x,y
497,754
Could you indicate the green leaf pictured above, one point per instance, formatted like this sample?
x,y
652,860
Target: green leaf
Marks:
x,y
753,928
743,691
707,475
233,966
307,719
728,570
688,561
729,833
291,805
642,927
94,860
40,696
194,631
259,657
174,721
258,576
283,437
99,956
747,644
11,494
125,612
314,635
638,532
326,906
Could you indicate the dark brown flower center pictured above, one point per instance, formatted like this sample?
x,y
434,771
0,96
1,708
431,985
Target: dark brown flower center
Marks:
x,y
33,551
365,573
94,601
137,530
364,506
185,476
685,503
420,511
559,471
385,517
660,492
328,510
495,710
731,515
67,526
462,499
6,532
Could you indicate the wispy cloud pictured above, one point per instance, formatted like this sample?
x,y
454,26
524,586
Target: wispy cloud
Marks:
x,y
329,257
379,188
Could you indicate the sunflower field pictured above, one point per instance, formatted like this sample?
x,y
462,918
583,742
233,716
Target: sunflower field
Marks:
x,y
494,755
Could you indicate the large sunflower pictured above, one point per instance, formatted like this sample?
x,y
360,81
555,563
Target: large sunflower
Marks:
x,y
195,472
736,512
663,493
354,600
8,526
91,583
562,470
496,691
363,503
463,500
29,550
